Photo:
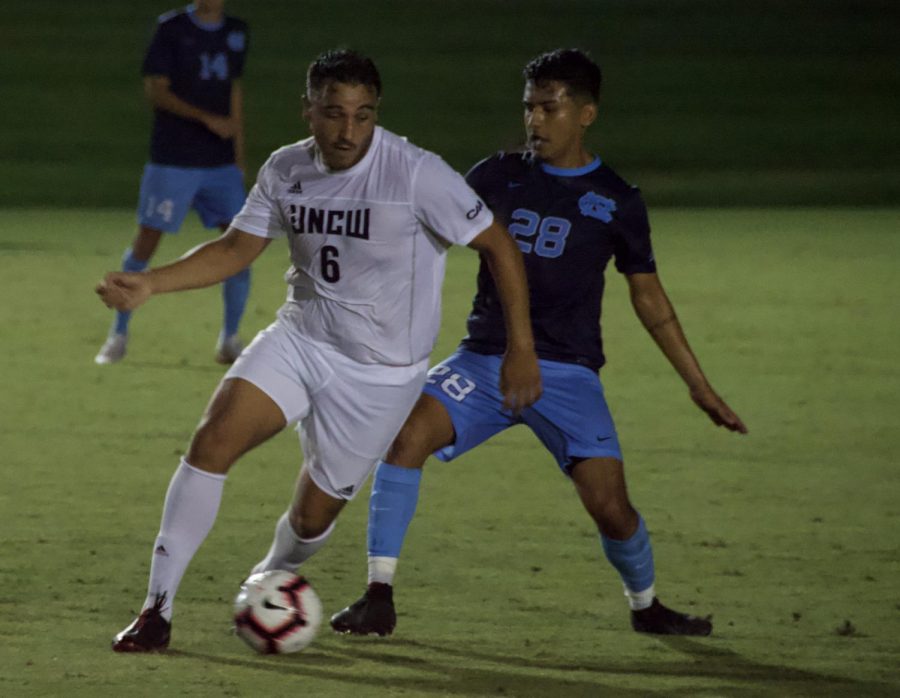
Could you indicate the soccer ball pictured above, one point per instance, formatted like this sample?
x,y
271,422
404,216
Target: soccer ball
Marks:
x,y
277,612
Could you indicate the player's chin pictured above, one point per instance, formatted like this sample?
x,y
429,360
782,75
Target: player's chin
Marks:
x,y
342,158
539,147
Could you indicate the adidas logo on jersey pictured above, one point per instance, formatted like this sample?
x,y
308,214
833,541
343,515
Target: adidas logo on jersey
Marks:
x,y
161,550
346,490
296,188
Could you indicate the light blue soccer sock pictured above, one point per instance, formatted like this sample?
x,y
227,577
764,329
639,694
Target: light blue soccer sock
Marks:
x,y
633,559
235,290
395,493
129,263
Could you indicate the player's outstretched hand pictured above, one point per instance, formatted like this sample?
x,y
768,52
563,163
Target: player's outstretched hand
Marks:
x,y
123,290
720,413
520,379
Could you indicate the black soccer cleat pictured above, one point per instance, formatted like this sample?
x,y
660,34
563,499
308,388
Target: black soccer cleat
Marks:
x,y
373,614
659,620
149,632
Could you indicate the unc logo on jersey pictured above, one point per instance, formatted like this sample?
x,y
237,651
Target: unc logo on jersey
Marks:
x,y
236,41
596,206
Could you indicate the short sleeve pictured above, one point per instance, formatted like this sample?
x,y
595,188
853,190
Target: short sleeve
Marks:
x,y
633,251
261,214
446,204
160,56
238,44
475,178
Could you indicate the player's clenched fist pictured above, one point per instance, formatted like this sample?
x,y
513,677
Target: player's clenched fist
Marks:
x,y
224,127
123,290
520,380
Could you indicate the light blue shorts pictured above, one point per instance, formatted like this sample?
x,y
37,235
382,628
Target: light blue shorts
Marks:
x,y
168,193
571,419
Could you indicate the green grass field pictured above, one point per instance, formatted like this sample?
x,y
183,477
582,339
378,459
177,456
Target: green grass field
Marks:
x,y
789,536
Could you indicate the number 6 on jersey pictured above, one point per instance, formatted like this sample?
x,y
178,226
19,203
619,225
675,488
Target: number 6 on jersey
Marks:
x,y
331,271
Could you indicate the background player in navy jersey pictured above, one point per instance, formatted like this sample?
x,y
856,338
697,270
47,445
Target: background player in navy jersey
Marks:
x,y
192,77
570,214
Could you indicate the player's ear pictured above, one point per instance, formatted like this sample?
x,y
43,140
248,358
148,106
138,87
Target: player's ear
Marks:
x,y
588,113
306,106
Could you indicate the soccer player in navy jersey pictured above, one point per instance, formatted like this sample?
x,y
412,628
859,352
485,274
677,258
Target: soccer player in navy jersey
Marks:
x,y
192,77
570,213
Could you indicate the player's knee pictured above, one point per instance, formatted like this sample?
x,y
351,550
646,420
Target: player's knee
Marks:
x,y
211,447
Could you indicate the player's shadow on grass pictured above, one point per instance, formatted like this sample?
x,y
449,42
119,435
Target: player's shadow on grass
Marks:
x,y
427,668
709,661
713,660
431,676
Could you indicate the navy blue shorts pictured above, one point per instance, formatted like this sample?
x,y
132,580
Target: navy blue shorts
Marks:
x,y
571,419
168,193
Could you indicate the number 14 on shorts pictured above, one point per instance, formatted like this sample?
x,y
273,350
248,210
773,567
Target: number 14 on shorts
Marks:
x,y
453,384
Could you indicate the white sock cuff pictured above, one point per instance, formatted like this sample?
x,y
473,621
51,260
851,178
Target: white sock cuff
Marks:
x,y
639,600
382,569
204,473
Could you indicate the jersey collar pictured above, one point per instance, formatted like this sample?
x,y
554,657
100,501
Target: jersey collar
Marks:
x,y
572,171
206,26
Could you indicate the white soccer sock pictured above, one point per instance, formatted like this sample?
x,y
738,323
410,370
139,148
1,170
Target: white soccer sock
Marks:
x,y
639,600
382,569
192,502
288,549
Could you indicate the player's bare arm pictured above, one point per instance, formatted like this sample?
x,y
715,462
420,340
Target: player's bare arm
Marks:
x,y
520,377
205,265
158,89
655,311
237,116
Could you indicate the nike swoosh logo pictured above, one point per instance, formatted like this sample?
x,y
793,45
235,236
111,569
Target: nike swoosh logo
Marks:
x,y
603,438
511,185
271,606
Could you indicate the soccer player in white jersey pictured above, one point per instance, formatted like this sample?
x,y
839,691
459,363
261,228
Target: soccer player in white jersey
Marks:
x,y
368,218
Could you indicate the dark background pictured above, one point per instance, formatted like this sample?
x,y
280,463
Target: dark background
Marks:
x,y
704,103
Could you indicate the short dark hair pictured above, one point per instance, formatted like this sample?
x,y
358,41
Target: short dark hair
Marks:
x,y
342,65
570,66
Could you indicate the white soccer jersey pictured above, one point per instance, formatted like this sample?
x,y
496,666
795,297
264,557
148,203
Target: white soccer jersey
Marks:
x,y
368,244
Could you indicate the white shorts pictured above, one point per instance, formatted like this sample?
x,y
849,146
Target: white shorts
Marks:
x,y
347,413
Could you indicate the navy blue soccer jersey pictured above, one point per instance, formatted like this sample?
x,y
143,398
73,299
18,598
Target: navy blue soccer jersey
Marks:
x,y
201,61
568,223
